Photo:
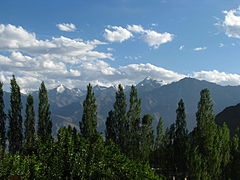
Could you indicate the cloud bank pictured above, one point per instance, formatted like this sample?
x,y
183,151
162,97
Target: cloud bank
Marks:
x,y
75,63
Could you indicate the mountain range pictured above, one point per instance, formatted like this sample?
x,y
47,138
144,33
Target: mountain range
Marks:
x,y
158,99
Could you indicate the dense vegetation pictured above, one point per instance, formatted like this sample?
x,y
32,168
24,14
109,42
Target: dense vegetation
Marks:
x,y
129,149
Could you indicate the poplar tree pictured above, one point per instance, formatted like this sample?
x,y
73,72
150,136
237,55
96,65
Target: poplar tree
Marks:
x,y
147,138
181,140
15,135
158,155
205,145
88,124
44,130
233,170
120,118
133,124
169,154
2,120
29,122
110,132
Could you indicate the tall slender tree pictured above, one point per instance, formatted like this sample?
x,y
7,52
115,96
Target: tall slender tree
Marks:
x,y
147,138
44,130
120,118
158,154
2,120
169,154
110,132
29,122
180,143
15,135
205,144
159,140
88,124
133,124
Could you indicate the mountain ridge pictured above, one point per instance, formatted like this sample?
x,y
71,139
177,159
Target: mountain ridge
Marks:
x,y
157,99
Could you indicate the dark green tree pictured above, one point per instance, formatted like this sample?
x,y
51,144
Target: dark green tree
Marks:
x,y
44,130
88,124
180,143
111,131
29,123
147,138
15,135
169,154
233,170
133,123
205,146
224,146
121,125
157,159
2,120
159,140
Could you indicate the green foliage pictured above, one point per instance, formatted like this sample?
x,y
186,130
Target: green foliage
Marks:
x,y
157,157
111,125
233,168
117,125
160,135
180,143
147,139
88,124
2,120
209,142
75,157
120,106
44,130
208,152
132,126
169,166
15,134
29,124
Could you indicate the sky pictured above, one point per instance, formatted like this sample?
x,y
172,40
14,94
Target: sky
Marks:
x,y
108,42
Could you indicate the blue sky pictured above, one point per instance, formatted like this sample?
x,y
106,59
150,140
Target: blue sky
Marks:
x,y
119,41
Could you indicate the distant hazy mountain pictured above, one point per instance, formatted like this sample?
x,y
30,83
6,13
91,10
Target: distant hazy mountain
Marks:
x,y
231,116
157,99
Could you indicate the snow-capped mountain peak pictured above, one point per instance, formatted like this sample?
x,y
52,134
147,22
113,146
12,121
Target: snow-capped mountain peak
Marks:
x,y
60,88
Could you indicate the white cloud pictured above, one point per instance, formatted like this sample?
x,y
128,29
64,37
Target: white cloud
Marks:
x,y
117,34
181,47
215,76
69,27
53,61
75,63
132,57
13,37
135,28
152,38
110,49
231,23
137,72
200,48
155,39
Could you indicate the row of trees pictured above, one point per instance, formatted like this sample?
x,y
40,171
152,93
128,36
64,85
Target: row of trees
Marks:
x,y
129,148
19,138
208,152
71,155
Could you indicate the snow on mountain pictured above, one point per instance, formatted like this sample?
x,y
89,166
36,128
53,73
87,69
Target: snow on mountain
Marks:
x,y
60,88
